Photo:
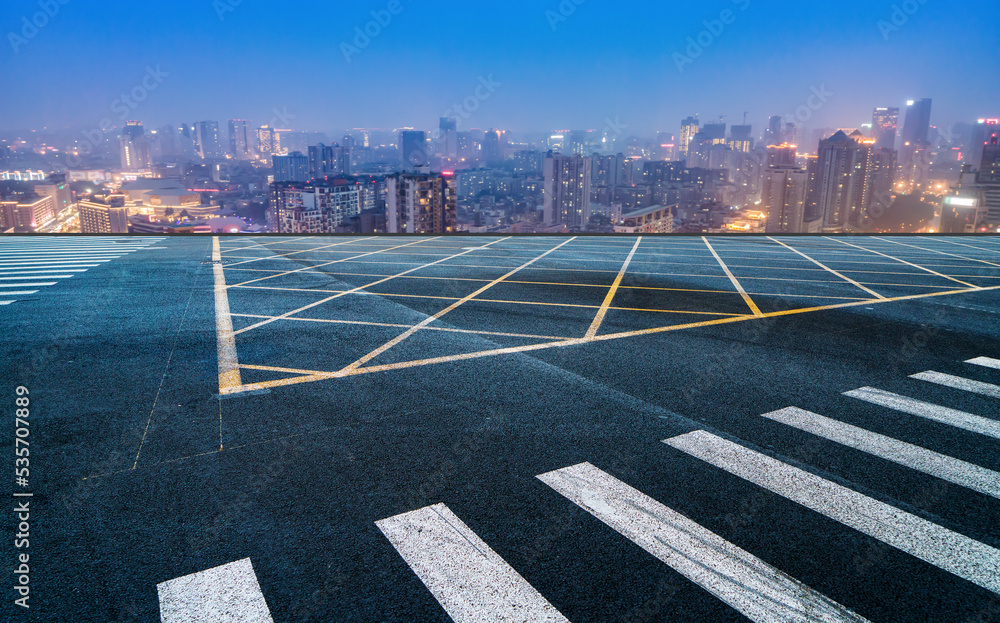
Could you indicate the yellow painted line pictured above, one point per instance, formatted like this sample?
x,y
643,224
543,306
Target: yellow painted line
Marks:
x,y
600,338
729,273
962,257
933,272
353,291
286,255
408,326
390,344
291,272
229,366
599,320
825,267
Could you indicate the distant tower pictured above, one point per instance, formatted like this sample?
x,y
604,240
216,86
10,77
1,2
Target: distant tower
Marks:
x,y
413,148
885,123
989,171
241,144
567,190
916,132
135,154
689,128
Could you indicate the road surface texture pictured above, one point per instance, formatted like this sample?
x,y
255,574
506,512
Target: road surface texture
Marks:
x,y
487,429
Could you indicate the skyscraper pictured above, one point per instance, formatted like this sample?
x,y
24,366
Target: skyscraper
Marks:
x,y
689,128
884,127
421,204
916,132
291,168
241,143
989,170
207,140
784,198
492,148
449,137
842,186
740,138
413,148
135,154
327,160
567,190
981,133
265,141
773,135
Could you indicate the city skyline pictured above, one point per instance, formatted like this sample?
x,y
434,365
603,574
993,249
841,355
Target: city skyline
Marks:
x,y
536,68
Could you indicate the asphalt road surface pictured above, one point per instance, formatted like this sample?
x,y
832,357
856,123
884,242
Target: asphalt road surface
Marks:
x,y
505,429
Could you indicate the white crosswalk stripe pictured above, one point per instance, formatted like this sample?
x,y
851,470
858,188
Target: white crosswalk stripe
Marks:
x,y
751,586
937,413
226,594
39,260
985,362
958,554
471,582
957,382
921,459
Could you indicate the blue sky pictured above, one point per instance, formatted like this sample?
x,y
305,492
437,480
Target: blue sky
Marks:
x,y
558,64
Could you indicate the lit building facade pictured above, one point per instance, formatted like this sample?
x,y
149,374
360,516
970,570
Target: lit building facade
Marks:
x,y
421,204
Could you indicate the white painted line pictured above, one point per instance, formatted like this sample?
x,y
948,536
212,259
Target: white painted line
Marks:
x,y
61,256
751,586
955,553
30,263
471,582
229,364
8,273
22,293
226,594
908,455
937,413
957,382
29,278
985,362
28,285
7,302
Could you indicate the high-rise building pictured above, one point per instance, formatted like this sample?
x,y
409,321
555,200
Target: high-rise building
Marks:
x,y
783,155
567,190
104,216
291,168
327,160
207,143
916,134
989,169
884,127
689,128
449,137
265,141
981,132
842,184
413,148
492,148
241,142
421,204
741,138
774,133
783,199
135,154
312,208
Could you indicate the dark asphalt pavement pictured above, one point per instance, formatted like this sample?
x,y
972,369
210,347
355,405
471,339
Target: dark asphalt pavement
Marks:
x,y
131,488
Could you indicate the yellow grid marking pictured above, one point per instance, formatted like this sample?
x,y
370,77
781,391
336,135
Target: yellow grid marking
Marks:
x,y
933,272
390,344
729,273
825,267
407,326
601,338
346,292
599,320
